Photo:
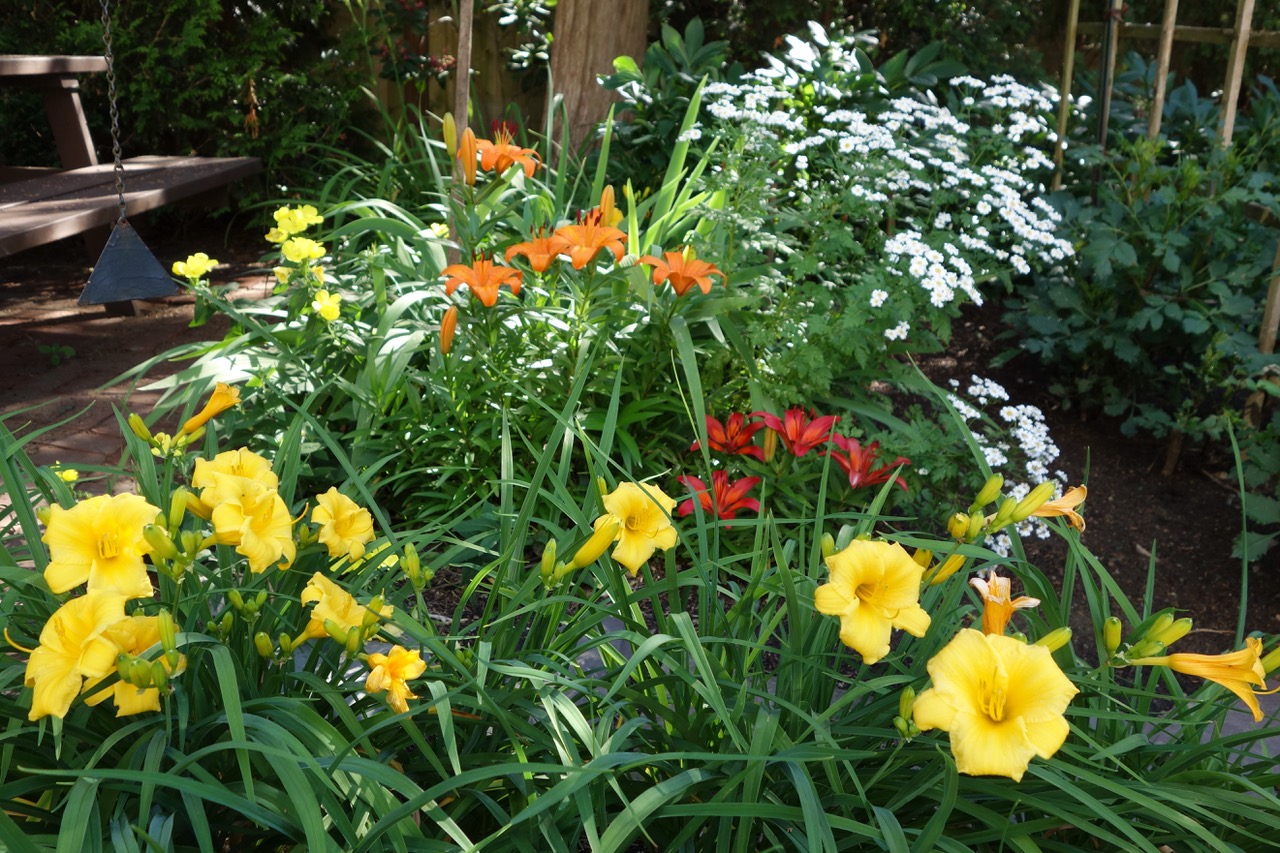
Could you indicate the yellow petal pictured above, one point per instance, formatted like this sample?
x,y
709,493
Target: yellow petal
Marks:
x,y
866,632
931,711
833,599
983,747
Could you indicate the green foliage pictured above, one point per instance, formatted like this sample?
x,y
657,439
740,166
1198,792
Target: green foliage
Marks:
x,y
200,76
1159,324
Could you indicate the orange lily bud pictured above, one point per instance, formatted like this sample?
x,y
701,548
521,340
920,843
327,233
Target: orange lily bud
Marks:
x,y
467,151
448,326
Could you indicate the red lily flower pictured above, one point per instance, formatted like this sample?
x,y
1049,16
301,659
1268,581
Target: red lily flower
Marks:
x,y
734,436
725,499
797,431
857,461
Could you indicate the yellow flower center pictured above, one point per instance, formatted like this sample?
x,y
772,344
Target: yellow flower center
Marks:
x,y
992,698
109,545
632,523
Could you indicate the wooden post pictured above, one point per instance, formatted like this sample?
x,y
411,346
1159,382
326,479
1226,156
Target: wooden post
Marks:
x,y
1235,70
1271,316
1115,10
1064,92
462,84
1167,27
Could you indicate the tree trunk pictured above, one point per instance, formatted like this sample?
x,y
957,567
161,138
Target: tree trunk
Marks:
x,y
587,36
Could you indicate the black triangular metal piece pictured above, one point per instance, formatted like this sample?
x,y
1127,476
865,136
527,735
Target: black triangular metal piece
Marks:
x,y
126,270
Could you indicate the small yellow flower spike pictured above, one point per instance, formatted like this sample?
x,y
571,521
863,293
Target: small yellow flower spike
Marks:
x,y
327,304
224,396
195,267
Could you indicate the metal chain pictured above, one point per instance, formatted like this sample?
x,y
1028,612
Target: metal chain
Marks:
x,y
111,100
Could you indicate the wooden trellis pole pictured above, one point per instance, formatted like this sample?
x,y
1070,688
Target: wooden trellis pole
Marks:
x,y
1162,67
1235,71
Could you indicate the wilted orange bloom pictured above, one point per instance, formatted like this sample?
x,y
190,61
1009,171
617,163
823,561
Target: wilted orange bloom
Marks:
x,y
587,238
499,154
998,602
540,251
1239,671
1066,505
484,279
683,270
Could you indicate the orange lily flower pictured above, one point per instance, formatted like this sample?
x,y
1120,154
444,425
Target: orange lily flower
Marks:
x,y
540,251
1240,671
1066,505
483,277
588,237
683,270
998,602
500,154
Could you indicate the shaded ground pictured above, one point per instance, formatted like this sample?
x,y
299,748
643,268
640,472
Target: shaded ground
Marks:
x,y
1188,521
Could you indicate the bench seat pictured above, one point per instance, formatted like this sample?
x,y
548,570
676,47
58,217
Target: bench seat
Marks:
x,y
51,206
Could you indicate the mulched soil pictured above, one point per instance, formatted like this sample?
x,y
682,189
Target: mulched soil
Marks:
x,y
1186,521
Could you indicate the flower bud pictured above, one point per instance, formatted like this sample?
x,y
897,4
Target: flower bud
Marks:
x,y
123,662
1019,636
1111,635
922,557
828,543
224,627
448,327
355,640
237,600
1271,660
1002,516
1171,633
1158,626
262,641
770,445
140,673
372,613
1035,499
261,599
946,569
42,514
197,507
286,643
192,543
906,702
411,563
990,491
958,526
160,542
598,543
159,675
168,631
450,135
548,561
467,152
1144,649
139,428
177,508
1055,639
904,731
335,631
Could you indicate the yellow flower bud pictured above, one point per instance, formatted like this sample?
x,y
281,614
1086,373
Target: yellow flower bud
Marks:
x,y
450,135
140,673
1035,499
990,491
168,630
904,731
548,561
236,599
286,644
958,526
597,544
261,599
160,542
922,557
1055,639
1144,649
354,641
139,428
123,662
1002,516
946,569
828,544
1172,632
228,620
770,445
262,641
177,508
1271,660
1111,635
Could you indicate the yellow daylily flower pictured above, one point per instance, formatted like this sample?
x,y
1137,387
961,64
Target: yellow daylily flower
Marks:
x,y
258,523
345,526
333,603
195,266
392,673
224,396
643,516
219,478
1001,700
874,588
72,648
99,541
132,635
327,304
1238,671
998,602
1065,506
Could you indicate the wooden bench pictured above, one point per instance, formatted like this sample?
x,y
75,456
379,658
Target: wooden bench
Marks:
x,y
40,206
54,205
